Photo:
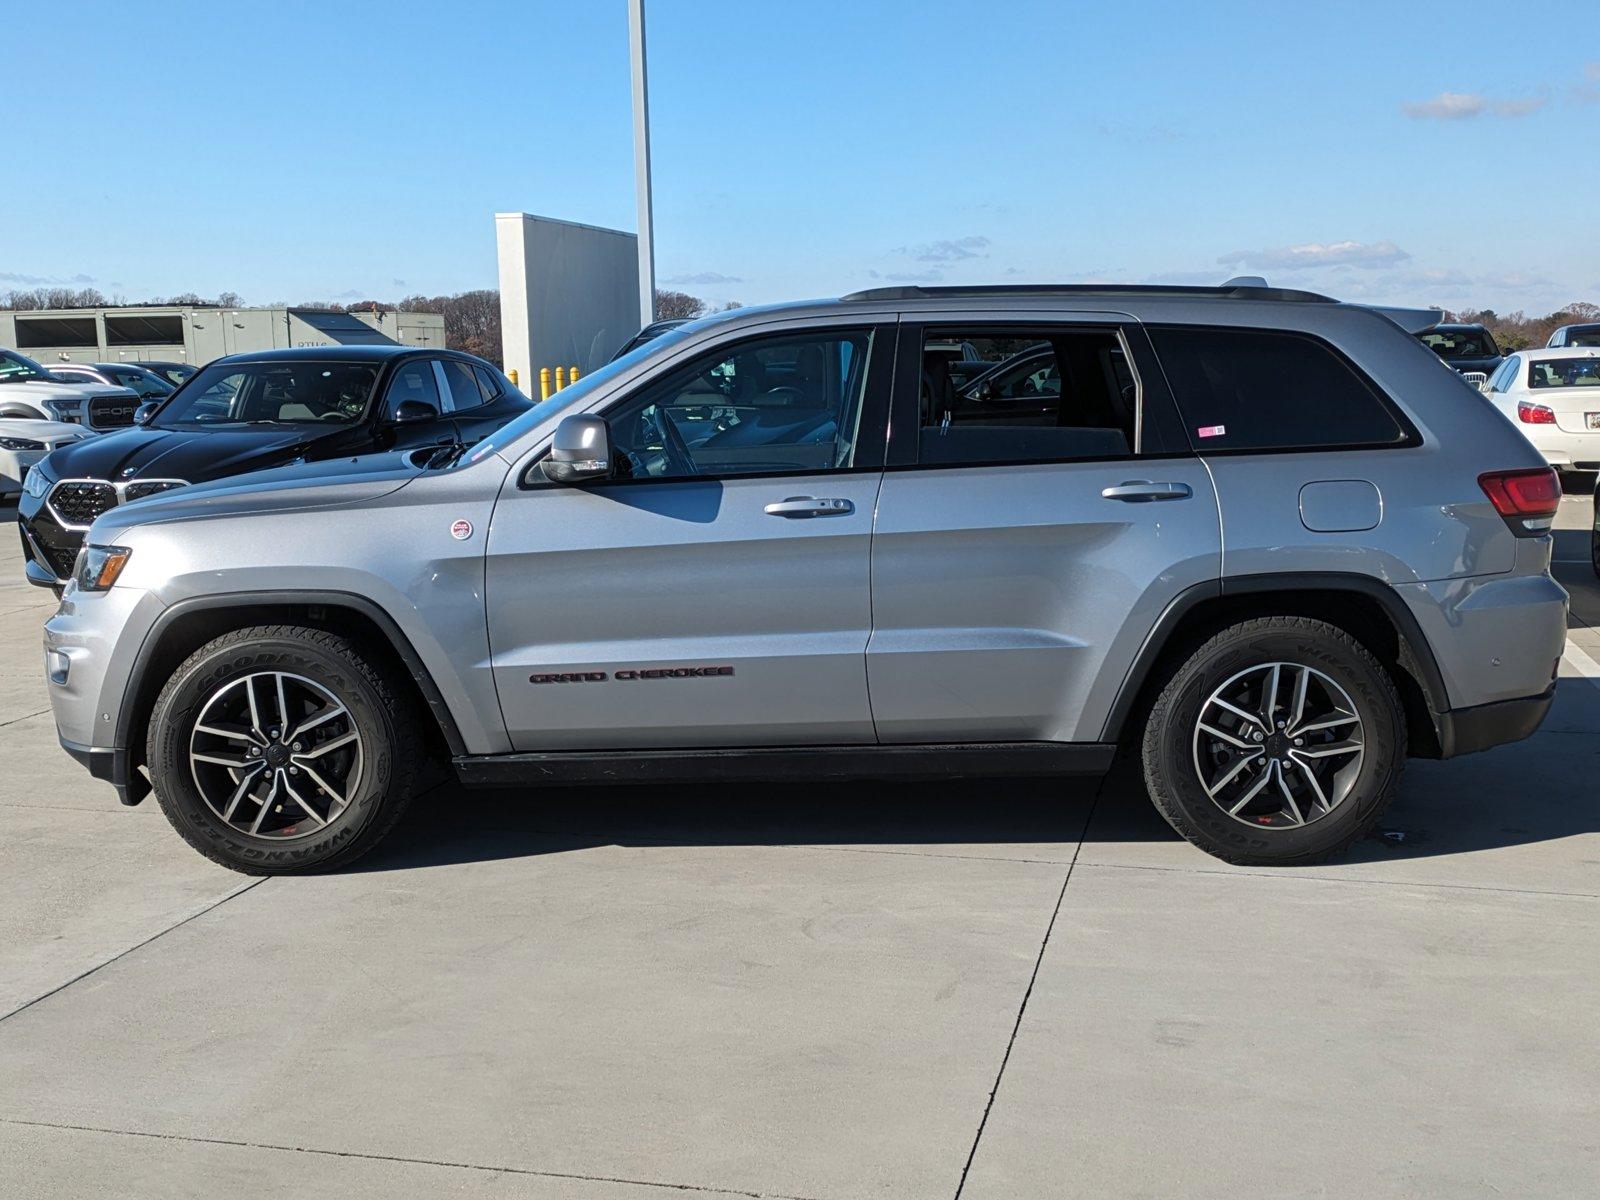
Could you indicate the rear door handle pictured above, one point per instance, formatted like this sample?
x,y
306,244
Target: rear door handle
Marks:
x,y
809,506
1137,490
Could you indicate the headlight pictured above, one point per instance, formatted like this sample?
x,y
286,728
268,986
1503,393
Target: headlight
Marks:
x,y
99,566
64,410
37,483
8,443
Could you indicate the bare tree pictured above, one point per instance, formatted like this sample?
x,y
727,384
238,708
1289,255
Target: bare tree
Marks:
x,y
677,305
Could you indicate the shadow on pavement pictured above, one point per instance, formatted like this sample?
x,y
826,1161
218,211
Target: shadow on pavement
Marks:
x,y
1535,791
455,825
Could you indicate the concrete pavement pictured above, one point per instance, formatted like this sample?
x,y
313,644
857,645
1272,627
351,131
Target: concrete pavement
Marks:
x,y
929,991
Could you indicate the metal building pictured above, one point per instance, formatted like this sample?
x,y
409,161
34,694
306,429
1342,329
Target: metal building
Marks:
x,y
183,333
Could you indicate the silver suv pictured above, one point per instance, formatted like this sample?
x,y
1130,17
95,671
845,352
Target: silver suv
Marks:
x,y
1257,537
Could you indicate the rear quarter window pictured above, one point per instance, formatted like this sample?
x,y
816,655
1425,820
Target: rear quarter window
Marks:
x,y
1265,390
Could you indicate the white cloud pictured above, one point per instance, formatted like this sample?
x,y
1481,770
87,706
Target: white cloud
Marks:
x,y
948,250
1465,106
1318,254
932,276
43,280
704,277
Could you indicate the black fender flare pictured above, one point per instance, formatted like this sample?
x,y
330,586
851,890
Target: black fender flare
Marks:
x,y
368,608
1413,641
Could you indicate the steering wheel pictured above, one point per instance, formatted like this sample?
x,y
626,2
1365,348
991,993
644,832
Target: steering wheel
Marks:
x,y
674,447
782,396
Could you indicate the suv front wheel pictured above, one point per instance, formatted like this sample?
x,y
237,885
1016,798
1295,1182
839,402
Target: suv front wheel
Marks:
x,y
1278,741
282,749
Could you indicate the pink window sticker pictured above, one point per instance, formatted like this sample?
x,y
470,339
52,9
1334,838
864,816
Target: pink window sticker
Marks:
x,y
1212,430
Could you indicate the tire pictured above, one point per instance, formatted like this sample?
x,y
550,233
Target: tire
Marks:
x,y
1594,551
256,673
1342,678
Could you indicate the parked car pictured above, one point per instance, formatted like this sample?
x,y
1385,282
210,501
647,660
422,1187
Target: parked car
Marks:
x,y
1576,335
649,333
24,441
146,385
1469,349
29,392
1553,397
770,544
174,373
249,412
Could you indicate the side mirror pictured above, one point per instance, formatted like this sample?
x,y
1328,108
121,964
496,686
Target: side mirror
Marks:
x,y
412,411
142,414
581,451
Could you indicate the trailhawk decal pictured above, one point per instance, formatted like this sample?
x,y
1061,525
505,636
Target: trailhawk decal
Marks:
x,y
629,675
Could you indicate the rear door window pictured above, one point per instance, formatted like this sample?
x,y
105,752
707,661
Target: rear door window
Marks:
x,y
991,396
461,386
1264,390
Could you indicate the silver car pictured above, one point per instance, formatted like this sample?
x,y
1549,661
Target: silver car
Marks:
x,y
1256,537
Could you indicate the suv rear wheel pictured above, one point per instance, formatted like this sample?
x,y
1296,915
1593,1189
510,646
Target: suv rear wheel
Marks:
x,y
280,749
1280,740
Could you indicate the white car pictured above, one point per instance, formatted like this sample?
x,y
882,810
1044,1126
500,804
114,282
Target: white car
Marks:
x,y
28,390
24,441
1553,396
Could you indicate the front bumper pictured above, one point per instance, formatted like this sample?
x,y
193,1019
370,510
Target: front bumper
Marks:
x,y
1469,730
113,766
49,550
14,466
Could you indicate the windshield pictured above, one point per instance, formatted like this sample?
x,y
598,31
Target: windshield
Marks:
x,y
1564,372
1584,335
573,396
271,393
14,368
1459,343
149,386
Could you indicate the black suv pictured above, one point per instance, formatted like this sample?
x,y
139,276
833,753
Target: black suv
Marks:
x,y
249,412
1469,349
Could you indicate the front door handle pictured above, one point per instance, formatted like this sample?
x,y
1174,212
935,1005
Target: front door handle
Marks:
x,y
809,506
1137,490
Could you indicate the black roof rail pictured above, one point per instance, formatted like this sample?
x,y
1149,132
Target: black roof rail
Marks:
x,y
1227,291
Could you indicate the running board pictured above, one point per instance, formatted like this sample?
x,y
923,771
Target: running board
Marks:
x,y
810,763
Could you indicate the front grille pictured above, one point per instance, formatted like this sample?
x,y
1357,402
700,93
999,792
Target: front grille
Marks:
x,y
79,501
1474,377
111,412
140,488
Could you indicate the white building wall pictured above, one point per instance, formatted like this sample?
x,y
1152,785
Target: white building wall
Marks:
x,y
569,294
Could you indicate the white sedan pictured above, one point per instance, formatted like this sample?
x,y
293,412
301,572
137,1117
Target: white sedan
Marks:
x,y
24,441
1553,396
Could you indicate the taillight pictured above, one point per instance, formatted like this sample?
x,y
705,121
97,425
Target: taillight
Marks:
x,y
1534,414
1526,499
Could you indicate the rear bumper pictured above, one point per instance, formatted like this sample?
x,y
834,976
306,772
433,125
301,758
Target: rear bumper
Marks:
x,y
1468,730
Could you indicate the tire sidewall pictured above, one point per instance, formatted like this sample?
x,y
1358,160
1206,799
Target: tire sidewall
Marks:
x,y
1382,731
179,707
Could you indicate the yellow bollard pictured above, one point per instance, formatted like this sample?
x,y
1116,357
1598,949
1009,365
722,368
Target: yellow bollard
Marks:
x,y
572,375
544,383
561,378
513,374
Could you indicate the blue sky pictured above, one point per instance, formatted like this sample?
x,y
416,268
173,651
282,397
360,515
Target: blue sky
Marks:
x,y
288,151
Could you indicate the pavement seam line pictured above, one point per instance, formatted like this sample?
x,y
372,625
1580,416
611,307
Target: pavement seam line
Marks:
x,y
398,1158
121,954
24,717
1461,887
1022,1008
